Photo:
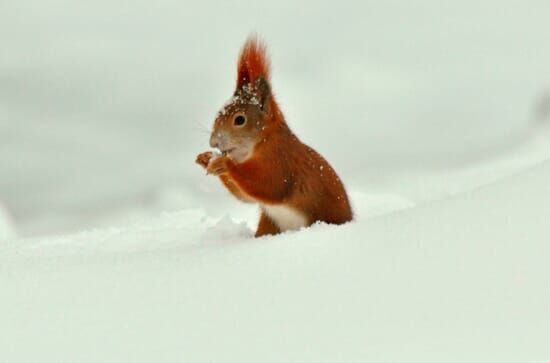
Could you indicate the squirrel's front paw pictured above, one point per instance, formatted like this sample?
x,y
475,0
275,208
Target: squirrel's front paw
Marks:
x,y
204,158
217,166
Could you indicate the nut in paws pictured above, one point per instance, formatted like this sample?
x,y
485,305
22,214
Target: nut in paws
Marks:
x,y
204,158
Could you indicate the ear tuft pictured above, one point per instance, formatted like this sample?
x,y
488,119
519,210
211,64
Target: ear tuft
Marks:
x,y
263,92
253,62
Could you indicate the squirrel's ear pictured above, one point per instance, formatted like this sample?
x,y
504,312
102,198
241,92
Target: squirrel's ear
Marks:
x,y
263,92
253,62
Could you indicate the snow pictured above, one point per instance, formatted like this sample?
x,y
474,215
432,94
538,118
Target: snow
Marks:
x,y
461,279
7,228
116,247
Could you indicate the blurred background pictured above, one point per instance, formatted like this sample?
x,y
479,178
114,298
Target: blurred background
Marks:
x,y
104,104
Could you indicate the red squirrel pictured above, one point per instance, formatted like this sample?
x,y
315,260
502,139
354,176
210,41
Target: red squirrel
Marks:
x,y
262,161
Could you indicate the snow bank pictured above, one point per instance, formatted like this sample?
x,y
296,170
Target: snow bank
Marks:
x,y
7,227
462,279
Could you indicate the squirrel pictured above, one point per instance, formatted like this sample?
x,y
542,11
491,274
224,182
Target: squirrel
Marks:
x,y
262,161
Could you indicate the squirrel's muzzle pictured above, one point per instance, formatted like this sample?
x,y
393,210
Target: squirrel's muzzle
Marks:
x,y
219,140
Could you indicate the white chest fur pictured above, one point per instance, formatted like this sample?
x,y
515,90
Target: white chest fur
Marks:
x,y
285,218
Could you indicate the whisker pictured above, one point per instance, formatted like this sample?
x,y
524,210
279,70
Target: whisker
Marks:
x,y
200,127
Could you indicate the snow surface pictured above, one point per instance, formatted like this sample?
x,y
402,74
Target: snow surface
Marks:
x,y
461,279
7,228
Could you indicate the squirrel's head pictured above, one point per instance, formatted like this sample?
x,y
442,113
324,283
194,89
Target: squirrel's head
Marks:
x,y
242,123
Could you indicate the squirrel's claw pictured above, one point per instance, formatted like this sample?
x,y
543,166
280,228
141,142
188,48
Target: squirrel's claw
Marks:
x,y
204,159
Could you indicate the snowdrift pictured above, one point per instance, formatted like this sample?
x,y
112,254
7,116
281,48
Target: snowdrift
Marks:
x,y
7,228
461,279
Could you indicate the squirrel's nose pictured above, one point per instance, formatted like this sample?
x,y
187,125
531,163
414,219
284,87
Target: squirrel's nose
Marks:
x,y
214,141
218,140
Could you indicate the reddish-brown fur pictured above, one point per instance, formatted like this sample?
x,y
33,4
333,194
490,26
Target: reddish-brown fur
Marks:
x,y
281,170
253,62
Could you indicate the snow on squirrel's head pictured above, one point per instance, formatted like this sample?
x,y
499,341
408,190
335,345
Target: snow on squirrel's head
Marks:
x,y
242,122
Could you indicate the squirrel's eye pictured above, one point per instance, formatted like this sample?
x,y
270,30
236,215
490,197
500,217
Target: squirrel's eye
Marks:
x,y
239,120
